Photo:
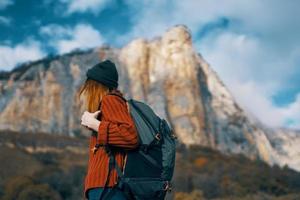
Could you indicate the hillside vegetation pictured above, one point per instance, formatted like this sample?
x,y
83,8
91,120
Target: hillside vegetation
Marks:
x,y
41,166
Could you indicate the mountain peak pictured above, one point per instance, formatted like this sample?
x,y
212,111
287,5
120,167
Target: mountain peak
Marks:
x,y
165,72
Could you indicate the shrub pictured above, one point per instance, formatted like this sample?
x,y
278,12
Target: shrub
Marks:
x,y
15,185
39,192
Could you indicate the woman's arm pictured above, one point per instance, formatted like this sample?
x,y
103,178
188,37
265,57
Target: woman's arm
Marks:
x,y
117,122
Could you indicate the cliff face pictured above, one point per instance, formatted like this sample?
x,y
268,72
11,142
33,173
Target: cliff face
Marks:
x,y
165,72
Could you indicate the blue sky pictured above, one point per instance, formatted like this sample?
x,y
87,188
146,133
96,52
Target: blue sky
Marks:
x,y
254,45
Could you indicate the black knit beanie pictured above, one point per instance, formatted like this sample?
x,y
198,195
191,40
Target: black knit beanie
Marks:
x,y
104,72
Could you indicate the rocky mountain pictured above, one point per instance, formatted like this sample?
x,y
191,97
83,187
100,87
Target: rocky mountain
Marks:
x,y
165,72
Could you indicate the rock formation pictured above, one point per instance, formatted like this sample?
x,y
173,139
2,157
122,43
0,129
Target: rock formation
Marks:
x,y
165,72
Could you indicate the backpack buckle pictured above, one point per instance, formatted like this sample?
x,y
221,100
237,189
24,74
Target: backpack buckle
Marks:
x,y
157,136
174,136
167,186
95,148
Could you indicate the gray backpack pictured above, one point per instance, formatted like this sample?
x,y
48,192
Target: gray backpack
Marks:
x,y
149,168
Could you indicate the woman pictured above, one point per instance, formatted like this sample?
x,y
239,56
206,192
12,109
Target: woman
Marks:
x,y
116,128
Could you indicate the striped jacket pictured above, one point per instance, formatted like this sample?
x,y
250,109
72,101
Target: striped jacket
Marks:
x,y
121,133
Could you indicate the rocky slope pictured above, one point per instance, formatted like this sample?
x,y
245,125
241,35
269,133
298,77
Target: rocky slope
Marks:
x,y
165,72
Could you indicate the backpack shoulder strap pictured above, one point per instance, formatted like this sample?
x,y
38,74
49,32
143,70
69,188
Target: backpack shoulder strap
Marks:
x,y
124,99
118,96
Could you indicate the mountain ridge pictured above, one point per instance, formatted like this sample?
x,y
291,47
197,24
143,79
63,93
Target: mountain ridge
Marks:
x,y
165,72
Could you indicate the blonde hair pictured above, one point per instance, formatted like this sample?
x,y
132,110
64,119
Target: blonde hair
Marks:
x,y
93,92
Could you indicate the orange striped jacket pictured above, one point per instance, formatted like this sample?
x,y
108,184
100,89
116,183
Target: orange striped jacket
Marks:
x,y
121,133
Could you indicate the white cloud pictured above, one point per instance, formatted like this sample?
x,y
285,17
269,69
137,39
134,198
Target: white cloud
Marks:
x,y
65,39
292,113
26,51
243,58
256,55
260,104
5,3
56,31
5,20
253,16
257,101
254,74
81,6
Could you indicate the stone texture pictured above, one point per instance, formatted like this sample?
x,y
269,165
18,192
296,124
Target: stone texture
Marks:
x,y
165,72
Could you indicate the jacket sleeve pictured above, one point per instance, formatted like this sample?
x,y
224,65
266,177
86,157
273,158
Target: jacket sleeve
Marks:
x,y
117,123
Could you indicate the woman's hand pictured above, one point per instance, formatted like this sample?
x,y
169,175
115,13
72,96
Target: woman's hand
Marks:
x,y
89,120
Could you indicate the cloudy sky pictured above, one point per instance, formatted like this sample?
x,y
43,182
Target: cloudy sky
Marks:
x,y
253,45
